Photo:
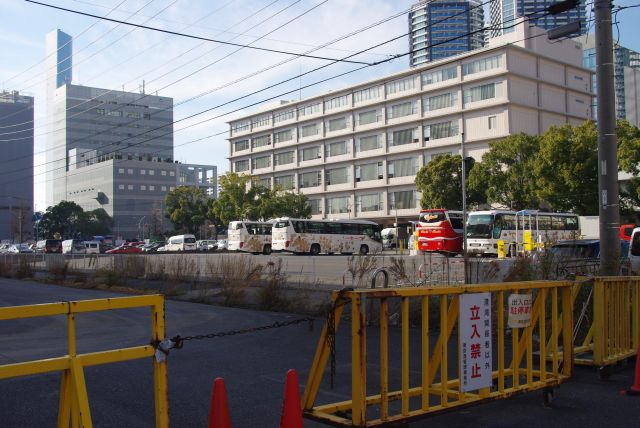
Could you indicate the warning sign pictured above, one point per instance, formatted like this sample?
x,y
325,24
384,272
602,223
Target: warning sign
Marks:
x,y
519,310
475,341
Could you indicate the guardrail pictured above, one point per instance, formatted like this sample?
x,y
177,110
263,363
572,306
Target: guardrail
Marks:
x,y
521,361
74,404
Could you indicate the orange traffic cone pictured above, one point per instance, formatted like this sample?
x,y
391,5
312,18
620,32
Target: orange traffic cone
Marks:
x,y
291,409
219,412
635,388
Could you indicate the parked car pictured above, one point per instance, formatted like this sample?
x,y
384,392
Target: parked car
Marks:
x,y
152,247
582,256
73,246
4,248
222,244
49,246
207,245
19,248
125,249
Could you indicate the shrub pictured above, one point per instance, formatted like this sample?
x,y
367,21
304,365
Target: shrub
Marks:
x,y
270,295
234,274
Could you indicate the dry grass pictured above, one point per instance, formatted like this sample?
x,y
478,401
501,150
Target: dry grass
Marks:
x,y
360,268
234,275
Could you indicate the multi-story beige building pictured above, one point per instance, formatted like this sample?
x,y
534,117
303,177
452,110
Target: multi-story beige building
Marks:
x,y
355,152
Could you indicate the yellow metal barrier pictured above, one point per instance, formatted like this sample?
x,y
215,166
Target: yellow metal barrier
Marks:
x,y
521,363
613,333
74,404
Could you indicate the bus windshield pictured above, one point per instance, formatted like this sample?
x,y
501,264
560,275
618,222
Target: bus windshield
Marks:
x,y
480,226
433,217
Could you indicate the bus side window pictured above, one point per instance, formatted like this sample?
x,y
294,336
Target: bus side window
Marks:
x,y
497,226
635,245
572,223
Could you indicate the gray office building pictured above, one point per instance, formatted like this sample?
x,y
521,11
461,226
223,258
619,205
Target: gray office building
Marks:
x,y
16,166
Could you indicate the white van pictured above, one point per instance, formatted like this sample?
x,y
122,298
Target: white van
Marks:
x,y
73,246
92,247
181,243
634,252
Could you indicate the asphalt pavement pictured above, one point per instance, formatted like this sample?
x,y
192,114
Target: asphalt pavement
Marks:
x,y
253,365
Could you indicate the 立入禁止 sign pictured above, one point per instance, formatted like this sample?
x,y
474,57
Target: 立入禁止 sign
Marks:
x,y
475,341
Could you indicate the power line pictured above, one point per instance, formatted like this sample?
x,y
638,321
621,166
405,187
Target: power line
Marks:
x,y
277,96
176,33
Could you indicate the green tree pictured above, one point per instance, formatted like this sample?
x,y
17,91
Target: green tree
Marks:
x,y
234,199
290,204
506,173
629,161
440,182
566,168
70,221
186,207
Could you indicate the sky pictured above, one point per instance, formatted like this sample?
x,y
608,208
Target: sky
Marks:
x,y
204,75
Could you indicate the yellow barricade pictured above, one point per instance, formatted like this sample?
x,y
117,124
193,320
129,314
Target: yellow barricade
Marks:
x,y
520,364
612,312
74,404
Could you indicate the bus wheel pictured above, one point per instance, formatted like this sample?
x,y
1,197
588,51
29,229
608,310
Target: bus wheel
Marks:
x,y
266,250
315,249
364,250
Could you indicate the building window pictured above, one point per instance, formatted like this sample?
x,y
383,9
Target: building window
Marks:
x,y
403,109
152,188
366,94
492,122
242,165
261,182
336,149
336,176
130,187
284,182
402,167
402,200
315,205
163,173
172,173
309,130
483,64
368,203
370,142
336,102
338,205
143,172
240,145
309,109
309,153
121,186
100,111
438,102
284,158
338,124
403,136
152,172
431,77
483,92
282,136
130,171
310,179
368,117
401,85
260,121
281,116
143,187
245,125
436,131
263,140
163,188
172,188
262,162
369,171
120,170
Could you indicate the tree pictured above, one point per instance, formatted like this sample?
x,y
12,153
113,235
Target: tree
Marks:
x,y
506,173
69,220
566,168
629,162
234,199
440,182
290,204
186,207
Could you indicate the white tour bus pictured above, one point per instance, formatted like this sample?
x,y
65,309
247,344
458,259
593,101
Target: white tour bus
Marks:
x,y
326,236
249,236
486,228
181,243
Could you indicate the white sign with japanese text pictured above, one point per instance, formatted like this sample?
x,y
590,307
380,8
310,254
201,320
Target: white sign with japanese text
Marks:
x,y
519,310
475,341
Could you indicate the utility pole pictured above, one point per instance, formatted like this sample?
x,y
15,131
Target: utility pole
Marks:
x,y
464,207
608,203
